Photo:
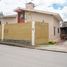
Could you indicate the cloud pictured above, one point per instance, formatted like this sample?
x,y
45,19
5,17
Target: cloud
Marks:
x,y
8,6
59,6
64,13
65,3
52,1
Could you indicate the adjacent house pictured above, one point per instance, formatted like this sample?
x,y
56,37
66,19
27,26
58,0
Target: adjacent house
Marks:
x,y
64,30
9,19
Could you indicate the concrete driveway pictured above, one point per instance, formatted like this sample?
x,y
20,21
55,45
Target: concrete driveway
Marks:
x,y
64,43
11,56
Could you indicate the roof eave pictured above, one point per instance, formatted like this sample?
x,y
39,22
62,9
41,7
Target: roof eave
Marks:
x,y
58,17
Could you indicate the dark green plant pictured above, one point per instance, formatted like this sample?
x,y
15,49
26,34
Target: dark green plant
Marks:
x,y
51,42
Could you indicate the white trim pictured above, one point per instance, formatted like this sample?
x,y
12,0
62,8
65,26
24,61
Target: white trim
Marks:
x,y
2,36
33,33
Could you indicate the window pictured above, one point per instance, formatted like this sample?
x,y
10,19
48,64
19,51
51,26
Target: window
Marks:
x,y
54,31
21,16
58,30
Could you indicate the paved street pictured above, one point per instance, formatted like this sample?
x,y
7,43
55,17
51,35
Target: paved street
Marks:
x,y
11,56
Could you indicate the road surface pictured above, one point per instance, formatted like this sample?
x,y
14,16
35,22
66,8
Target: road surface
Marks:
x,y
11,56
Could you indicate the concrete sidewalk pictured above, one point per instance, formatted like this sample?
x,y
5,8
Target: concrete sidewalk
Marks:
x,y
61,47
16,44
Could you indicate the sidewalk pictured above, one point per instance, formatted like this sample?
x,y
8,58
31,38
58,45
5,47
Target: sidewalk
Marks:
x,y
61,47
17,44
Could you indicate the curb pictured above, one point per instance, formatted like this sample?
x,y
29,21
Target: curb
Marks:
x,y
53,50
16,44
30,47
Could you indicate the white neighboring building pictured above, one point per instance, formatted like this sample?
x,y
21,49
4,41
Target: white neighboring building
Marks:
x,y
9,19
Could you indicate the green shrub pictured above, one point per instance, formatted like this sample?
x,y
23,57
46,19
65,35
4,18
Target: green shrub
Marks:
x,y
51,42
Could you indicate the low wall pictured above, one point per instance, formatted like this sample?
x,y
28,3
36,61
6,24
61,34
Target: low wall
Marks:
x,y
22,33
18,32
0,31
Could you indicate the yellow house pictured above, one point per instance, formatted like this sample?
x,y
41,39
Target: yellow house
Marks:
x,y
51,19
47,25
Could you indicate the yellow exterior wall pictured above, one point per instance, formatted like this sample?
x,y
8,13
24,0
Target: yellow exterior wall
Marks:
x,y
47,18
18,31
41,33
39,17
0,31
24,32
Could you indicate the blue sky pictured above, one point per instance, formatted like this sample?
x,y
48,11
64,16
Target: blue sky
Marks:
x,y
59,6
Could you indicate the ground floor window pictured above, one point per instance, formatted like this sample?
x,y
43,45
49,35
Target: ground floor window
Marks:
x,y
54,31
58,30
0,22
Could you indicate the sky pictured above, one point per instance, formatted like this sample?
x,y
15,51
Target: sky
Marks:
x,y
59,6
